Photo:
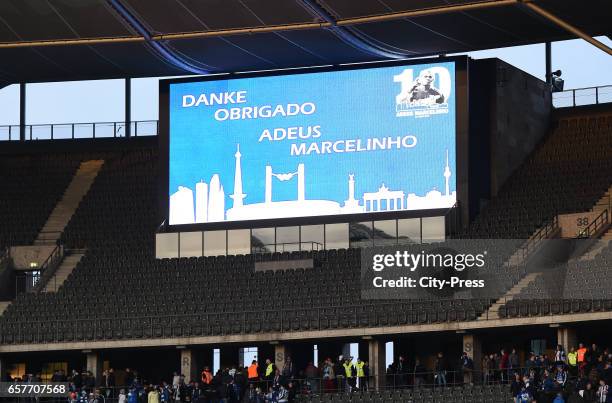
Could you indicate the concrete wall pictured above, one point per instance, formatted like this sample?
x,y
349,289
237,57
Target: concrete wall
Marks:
x,y
510,113
521,119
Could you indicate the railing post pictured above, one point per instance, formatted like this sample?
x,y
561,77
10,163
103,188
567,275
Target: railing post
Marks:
x,y
51,131
114,129
136,129
72,130
596,95
573,97
94,130
30,132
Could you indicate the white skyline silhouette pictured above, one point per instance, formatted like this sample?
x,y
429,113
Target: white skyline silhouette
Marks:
x,y
210,199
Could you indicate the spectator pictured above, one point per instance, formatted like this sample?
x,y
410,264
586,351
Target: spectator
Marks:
x,y
349,373
312,374
516,386
360,372
288,371
132,396
559,398
467,366
419,373
486,370
153,396
560,357
524,396
582,352
328,373
253,371
513,363
602,391
503,365
401,372
440,370
589,395
206,377
165,393
339,371
270,370
560,377
122,397
572,361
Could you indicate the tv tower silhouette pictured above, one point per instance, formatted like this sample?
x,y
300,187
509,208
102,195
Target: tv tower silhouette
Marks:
x,y
238,196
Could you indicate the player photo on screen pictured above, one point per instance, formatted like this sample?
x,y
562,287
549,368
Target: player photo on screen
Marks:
x,y
324,143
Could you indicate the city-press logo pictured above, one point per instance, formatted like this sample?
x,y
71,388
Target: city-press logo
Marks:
x,y
425,95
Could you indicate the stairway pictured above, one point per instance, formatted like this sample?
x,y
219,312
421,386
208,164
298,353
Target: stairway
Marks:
x,y
71,259
65,208
604,201
493,311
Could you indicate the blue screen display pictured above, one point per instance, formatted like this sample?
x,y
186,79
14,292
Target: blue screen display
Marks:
x,y
310,144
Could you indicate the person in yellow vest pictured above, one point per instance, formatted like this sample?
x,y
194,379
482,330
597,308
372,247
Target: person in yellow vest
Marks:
x,y
361,376
572,361
269,373
349,372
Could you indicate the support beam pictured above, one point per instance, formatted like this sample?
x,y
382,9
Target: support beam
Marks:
x,y
142,36
548,57
22,111
189,365
566,26
94,365
566,336
472,345
376,361
128,107
281,352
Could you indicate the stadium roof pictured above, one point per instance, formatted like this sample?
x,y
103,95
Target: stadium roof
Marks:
x,y
52,40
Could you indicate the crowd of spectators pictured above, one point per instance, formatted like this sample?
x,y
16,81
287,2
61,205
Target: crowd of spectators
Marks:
x,y
580,375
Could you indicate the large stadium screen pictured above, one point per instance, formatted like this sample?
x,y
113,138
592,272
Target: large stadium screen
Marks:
x,y
361,140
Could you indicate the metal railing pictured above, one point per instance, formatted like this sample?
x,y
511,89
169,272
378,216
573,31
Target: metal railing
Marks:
x,y
534,242
419,381
80,130
49,267
287,247
601,221
267,321
582,96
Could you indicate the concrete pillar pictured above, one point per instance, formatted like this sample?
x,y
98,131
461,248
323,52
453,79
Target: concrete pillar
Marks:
x,y
376,361
188,365
566,336
22,111
280,353
94,365
128,107
472,345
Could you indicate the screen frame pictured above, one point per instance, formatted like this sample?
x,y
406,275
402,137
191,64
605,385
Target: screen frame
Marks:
x,y
461,147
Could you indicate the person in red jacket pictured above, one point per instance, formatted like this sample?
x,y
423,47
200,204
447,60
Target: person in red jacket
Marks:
x,y
503,365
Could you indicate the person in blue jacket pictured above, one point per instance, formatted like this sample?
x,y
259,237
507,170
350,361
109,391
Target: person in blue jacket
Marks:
x,y
559,398
132,396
